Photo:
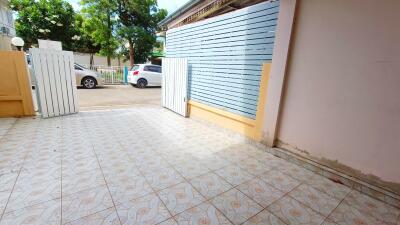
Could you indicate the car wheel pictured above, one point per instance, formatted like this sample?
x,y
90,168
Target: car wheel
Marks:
x,y
141,83
89,82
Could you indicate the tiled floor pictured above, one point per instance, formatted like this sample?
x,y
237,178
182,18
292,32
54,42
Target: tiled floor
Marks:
x,y
147,165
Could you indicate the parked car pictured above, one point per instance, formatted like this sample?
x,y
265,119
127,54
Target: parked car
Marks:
x,y
87,78
143,75
84,77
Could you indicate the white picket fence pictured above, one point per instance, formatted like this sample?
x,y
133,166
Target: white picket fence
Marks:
x,y
111,74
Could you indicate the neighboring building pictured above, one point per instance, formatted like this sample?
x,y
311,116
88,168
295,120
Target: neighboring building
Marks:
x,y
7,28
332,100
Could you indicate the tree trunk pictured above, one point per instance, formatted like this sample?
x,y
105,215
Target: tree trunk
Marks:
x,y
91,60
132,61
108,60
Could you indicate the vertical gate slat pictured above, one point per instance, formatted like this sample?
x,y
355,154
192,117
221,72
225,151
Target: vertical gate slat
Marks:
x,y
175,84
56,82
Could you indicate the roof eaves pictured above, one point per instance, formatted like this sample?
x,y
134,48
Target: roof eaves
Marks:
x,y
179,12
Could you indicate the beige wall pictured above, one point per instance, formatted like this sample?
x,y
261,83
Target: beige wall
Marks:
x,y
341,99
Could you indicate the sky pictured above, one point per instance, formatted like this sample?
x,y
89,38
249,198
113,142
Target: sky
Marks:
x,y
170,5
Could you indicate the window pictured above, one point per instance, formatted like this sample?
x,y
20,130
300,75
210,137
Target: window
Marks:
x,y
156,69
78,68
135,67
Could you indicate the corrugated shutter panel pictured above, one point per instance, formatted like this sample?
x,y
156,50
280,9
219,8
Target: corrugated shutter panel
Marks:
x,y
225,55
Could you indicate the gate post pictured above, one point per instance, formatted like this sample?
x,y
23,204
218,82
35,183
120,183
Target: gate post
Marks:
x,y
125,75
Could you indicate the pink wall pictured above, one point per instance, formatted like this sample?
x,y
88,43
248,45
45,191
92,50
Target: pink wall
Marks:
x,y
341,99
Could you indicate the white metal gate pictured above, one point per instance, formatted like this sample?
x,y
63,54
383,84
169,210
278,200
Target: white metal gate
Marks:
x,y
174,84
55,81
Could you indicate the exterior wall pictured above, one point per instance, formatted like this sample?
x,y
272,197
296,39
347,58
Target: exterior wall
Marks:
x,y
15,89
341,99
225,62
84,59
6,24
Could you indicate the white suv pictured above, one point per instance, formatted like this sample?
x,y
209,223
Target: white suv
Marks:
x,y
142,75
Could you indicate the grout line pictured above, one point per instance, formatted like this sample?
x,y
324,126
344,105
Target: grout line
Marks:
x,y
19,171
102,172
336,208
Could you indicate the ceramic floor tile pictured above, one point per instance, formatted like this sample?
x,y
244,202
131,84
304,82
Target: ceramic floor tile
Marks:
x,y
236,206
128,189
291,212
180,197
347,215
27,193
279,180
214,162
314,199
105,217
299,173
85,203
254,166
163,179
191,169
261,192
48,213
338,191
168,222
204,213
7,181
264,218
82,181
147,210
373,207
234,174
210,185
4,195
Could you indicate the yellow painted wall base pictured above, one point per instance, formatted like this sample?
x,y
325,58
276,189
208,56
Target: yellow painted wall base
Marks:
x,y
243,125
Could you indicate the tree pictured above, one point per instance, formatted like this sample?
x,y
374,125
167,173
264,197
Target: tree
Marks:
x,y
138,24
100,23
44,19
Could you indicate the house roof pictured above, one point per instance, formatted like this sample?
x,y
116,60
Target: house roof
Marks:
x,y
195,10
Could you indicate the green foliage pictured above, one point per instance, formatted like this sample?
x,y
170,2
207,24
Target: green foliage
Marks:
x,y
139,19
100,24
44,19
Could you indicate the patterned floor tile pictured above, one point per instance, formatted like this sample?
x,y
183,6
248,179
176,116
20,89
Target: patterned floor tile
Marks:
x,y
261,192
204,213
373,207
48,213
347,215
82,181
163,179
214,162
4,195
338,191
291,211
236,206
299,173
191,169
27,193
264,218
84,203
315,199
210,185
279,180
129,189
169,222
7,181
105,217
147,210
234,174
254,166
180,197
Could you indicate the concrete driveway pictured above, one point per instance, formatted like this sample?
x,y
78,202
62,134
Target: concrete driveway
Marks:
x,y
118,96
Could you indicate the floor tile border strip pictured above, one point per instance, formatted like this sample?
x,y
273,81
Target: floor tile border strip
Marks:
x,y
373,191
337,176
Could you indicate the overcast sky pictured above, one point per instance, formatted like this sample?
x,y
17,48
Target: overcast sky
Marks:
x,y
170,5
